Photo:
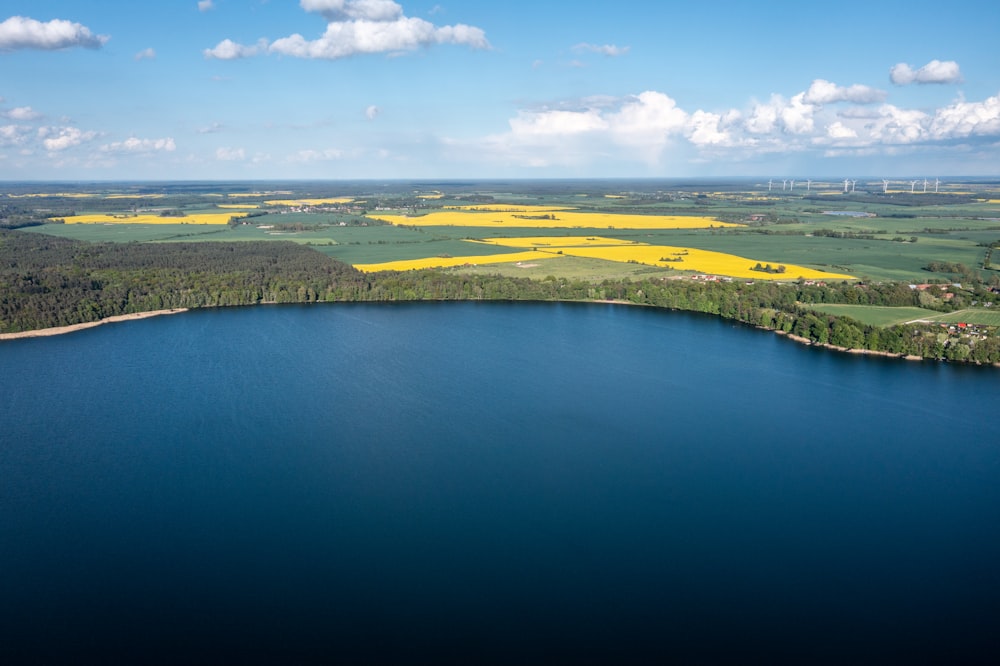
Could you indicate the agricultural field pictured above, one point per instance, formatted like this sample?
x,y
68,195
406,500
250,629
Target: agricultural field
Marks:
x,y
979,316
544,217
724,227
876,315
193,218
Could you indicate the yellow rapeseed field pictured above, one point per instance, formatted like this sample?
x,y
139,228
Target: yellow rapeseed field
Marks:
x,y
544,217
237,206
135,196
701,261
444,262
197,218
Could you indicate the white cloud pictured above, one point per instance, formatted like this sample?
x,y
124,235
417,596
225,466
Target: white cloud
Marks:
x,y
205,5
936,71
609,50
896,126
227,49
837,130
964,119
13,135
305,156
20,32
372,112
211,129
358,27
764,117
22,113
230,154
343,39
135,145
56,139
797,116
646,123
556,123
347,10
651,129
706,129
145,54
825,92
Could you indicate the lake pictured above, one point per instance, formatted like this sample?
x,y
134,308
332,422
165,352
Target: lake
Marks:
x,y
506,482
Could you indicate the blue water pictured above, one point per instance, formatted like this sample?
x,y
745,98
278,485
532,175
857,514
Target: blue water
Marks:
x,y
506,483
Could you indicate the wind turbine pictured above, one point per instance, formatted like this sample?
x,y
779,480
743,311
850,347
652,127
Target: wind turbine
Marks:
x,y
885,186
769,183
936,183
784,182
853,185
846,181
792,187
925,186
809,184
913,186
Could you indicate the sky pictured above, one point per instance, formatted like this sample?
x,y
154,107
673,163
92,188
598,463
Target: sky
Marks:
x,y
450,89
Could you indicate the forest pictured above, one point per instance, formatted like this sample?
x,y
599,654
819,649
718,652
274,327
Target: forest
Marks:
x,y
47,281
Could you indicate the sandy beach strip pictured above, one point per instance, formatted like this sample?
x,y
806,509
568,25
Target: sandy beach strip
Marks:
x,y
59,330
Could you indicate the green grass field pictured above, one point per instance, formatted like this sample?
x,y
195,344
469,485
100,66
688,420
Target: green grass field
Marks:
x,y
874,315
981,316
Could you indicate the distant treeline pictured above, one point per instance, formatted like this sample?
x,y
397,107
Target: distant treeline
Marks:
x,y
47,281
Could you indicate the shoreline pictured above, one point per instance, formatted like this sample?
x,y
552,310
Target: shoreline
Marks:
x,y
846,350
61,330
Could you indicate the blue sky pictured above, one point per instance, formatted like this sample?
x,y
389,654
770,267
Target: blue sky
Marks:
x,y
343,89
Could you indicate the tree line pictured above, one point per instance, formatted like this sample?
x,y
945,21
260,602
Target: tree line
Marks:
x,y
47,281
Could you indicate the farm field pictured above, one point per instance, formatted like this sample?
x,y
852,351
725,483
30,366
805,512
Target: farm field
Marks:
x,y
672,257
981,316
399,221
875,315
194,218
550,218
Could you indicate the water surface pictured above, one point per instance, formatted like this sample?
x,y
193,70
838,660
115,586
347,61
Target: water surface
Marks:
x,y
528,483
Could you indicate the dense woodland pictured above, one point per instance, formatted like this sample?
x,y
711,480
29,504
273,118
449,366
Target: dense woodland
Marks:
x,y
47,281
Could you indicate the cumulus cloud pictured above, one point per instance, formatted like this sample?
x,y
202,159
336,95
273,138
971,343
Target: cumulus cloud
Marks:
x,y
609,50
358,27
20,32
22,113
227,49
145,54
372,112
825,92
135,145
348,10
936,71
205,5
57,139
230,154
652,128
965,119
14,135
837,130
